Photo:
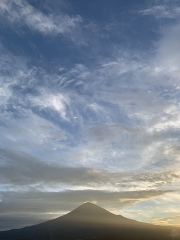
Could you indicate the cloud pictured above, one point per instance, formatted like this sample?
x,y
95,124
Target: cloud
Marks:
x,y
174,221
142,129
57,102
168,55
23,170
11,69
32,134
21,13
167,206
20,170
119,118
162,11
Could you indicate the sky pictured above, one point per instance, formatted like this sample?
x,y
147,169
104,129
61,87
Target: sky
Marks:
x,y
89,109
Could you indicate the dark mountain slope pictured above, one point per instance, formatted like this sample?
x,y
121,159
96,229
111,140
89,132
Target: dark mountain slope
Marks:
x,y
90,222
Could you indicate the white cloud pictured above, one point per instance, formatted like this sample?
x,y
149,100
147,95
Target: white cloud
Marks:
x,y
12,69
57,102
167,221
95,107
5,94
162,11
168,55
19,12
31,133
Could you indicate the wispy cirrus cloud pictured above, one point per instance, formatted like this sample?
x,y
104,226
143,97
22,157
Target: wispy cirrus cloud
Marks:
x,y
75,105
57,102
162,11
21,13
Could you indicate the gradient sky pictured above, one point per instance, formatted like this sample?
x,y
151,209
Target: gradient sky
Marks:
x,y
89,109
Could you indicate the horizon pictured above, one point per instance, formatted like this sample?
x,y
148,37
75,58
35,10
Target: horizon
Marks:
x,y
89,109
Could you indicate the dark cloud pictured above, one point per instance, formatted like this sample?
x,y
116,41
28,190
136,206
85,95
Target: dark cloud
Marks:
x,y
20,169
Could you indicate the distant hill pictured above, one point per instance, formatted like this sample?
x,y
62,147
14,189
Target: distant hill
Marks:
x,y
90,222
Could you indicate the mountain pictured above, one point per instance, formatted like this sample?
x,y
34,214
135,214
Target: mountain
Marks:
x,y
90,222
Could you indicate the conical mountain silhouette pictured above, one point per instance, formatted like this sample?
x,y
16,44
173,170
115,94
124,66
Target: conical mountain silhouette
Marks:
x,y
89,221
89,208
89,212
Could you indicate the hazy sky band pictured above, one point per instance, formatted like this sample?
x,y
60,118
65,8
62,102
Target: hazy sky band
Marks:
x,y
89,104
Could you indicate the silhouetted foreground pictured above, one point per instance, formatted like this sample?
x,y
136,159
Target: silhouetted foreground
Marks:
x,y
90,222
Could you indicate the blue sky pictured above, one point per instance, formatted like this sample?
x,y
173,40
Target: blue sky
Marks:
x,y
89,109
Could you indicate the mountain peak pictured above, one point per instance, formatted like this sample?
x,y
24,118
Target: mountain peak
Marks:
x,y
89,210
88,204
